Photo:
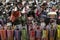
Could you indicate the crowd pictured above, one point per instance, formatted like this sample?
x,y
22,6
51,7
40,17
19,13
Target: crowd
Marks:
x,y
30,20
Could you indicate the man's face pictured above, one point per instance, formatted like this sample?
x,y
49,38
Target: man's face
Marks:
x,y
20,5
41,20
30,18
53,8
42,7
52,16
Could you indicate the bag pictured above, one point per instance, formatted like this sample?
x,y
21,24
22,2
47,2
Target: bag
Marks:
x,y
3,34
17,35
10,35
45,34
58,31
24,34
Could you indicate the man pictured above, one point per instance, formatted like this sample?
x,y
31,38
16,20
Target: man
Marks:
x,y
15,15
58,17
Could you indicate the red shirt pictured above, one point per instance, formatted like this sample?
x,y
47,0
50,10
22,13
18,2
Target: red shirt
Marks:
x,y
14,15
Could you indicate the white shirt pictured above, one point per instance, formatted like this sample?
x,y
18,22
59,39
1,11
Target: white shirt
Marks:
x,y
7,1
42,25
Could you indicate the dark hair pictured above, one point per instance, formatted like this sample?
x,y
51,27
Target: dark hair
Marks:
x,y
31,13
38,27
24,28
31,29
